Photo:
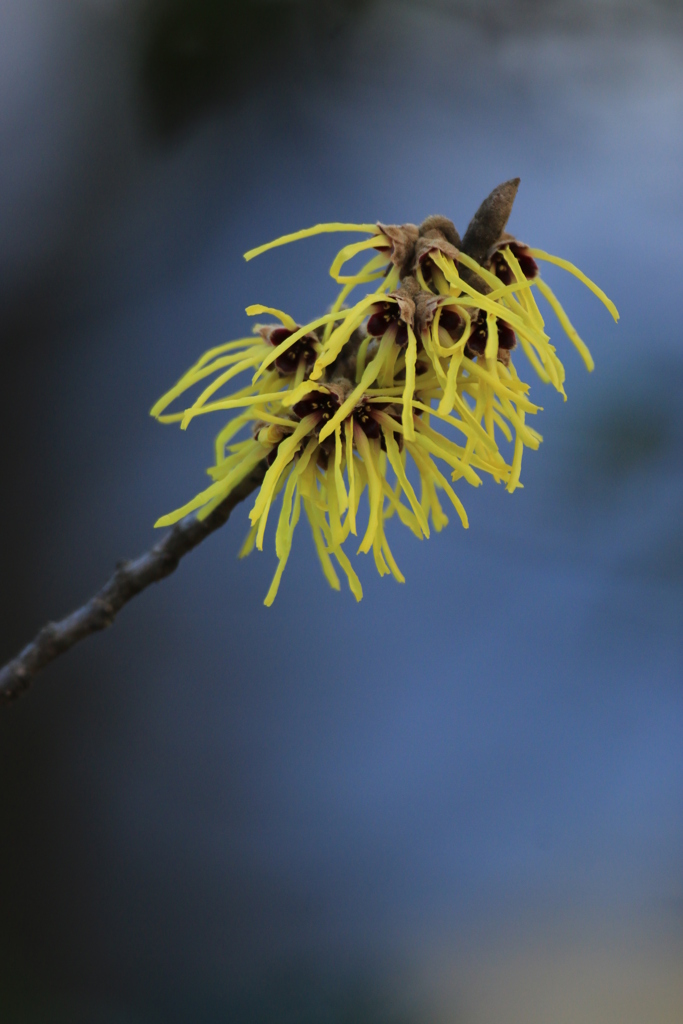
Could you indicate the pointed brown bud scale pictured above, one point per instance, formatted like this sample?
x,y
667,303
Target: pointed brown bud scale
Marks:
x,y
401,248
425,247
401,313
426,306
488,223
407,296
437,234
437,226
413,308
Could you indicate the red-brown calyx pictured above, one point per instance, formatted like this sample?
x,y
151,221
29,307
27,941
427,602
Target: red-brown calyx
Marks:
x,y
502,269
400,244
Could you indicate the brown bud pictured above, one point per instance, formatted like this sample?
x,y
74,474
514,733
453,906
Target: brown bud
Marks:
x,y
405,297
437,225
489,221
402,238
427,244
426,306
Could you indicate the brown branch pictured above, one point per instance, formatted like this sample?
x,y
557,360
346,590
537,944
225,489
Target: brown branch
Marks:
x,y
129,580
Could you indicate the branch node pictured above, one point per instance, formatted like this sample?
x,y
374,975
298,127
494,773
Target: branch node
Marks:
x,y
103,612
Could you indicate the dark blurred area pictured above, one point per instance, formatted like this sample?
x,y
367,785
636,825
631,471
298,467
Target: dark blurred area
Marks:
x,y
461,799
194,55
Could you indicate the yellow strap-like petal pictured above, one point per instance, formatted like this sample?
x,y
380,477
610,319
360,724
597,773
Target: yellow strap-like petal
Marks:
x,y
411,359
351,471
315,519
394,457
569,328
484,274
348,252
353,318
354,583
284,318
276,352
449,393
317,229
374,488
370,374
285,453
339,479
539,254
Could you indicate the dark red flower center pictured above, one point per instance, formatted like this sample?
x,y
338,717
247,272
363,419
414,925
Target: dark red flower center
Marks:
x,y
476,343
289,360
503,271
363,415
325,403
452,323
427,267
386,314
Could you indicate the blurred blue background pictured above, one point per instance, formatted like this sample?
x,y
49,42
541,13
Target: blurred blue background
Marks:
x,y
461,800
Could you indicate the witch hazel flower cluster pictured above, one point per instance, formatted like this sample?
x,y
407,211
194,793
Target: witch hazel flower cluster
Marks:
x,y
406,393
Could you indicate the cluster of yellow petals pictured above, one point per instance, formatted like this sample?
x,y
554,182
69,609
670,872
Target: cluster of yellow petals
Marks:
x,y
430,400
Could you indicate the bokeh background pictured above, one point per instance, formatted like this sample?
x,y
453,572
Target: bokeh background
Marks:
x,y
461,800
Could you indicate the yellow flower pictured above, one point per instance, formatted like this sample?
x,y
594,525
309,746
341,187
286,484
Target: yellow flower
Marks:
x,y
347,402
324,445
490,279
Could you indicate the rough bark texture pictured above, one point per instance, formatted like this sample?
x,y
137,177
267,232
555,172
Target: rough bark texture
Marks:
x,y
129,580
